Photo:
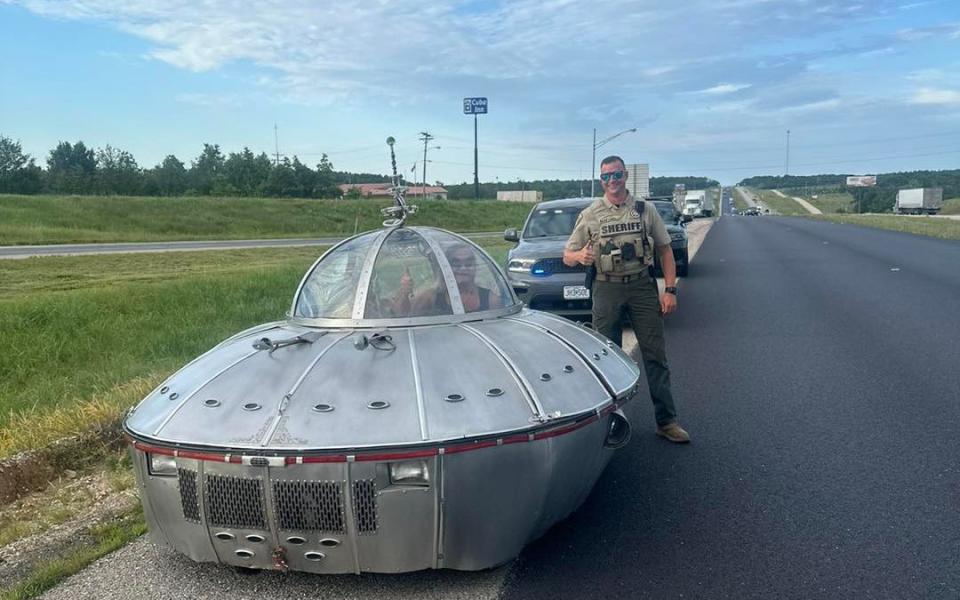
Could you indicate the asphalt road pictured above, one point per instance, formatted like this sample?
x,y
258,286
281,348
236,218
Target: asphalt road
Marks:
x,y
815,366
122,248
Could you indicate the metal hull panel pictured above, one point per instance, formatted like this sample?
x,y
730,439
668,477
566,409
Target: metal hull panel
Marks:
x,y
480,509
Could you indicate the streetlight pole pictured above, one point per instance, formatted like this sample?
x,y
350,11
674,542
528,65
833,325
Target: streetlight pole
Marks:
x,y
593,165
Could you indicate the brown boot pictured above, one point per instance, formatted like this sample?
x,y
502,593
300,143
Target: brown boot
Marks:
x,y
674,433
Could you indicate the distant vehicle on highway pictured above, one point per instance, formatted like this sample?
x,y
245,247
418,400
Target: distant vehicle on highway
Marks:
x,y
676,227
753,211
919,201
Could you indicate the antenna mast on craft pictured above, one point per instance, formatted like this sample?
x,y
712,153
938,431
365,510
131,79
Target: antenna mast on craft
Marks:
x,y
400,209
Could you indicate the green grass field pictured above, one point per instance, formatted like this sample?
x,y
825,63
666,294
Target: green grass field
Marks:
x,y
79,219
951,207
948,229
783,206
87,336
831,203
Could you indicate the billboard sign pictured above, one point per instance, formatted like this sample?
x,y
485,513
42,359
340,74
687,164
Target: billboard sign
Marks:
x,y
474,106
861,180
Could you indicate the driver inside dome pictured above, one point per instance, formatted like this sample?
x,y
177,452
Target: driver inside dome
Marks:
x,y
434,300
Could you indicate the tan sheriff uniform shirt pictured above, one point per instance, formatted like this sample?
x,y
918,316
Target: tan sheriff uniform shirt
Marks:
x,y
611,227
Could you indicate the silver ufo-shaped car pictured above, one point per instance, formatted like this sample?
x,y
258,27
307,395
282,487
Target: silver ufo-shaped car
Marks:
x,y
409,414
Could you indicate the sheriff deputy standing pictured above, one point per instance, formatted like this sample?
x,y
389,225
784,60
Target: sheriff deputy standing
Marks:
x,y
618,236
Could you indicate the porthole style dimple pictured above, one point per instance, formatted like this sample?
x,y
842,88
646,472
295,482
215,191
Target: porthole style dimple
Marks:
x,y
568,369
174,396
251,406
454,398
378,405
494,392
321,408
211,403
545,377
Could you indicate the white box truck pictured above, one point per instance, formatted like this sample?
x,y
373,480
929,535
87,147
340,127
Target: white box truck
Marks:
x,y
919,201
693,203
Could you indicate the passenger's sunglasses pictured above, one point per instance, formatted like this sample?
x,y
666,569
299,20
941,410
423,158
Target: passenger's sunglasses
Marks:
x,y
618,175
463,264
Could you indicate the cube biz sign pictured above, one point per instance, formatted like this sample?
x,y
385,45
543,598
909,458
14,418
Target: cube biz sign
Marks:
x,y
474,106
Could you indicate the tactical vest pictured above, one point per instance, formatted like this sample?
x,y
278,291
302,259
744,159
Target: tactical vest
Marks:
x,y
621,245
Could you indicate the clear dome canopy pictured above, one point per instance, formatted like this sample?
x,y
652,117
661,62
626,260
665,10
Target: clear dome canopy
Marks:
x,y
401,274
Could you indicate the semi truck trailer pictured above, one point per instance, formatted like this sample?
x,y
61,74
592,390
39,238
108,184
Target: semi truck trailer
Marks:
x,y
919,201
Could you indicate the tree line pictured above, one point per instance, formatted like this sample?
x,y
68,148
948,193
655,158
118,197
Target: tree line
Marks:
x,y
879,198
78,169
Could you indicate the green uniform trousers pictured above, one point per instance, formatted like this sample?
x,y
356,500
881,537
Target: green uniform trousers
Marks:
x,y
640,300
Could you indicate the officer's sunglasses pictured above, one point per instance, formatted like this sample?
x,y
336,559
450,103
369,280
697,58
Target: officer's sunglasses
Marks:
x,y
617,175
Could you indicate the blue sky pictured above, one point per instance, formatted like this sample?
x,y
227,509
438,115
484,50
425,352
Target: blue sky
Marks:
x,y
712,86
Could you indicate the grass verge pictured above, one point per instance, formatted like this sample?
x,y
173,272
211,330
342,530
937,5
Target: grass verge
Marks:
x,y
106,539
88,219
951,207
947,229
781,205
834,203
72,494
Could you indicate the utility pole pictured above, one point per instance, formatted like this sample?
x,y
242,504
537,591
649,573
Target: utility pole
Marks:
x,y
425,137
786,170
476,161
276,145
593,162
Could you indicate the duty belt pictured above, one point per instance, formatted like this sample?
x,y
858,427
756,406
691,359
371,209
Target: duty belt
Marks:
x,y
622,278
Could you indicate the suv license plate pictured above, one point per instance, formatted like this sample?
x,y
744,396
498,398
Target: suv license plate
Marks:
x,y
575,292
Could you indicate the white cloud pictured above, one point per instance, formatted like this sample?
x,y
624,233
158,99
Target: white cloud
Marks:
x,y
935,96
725,88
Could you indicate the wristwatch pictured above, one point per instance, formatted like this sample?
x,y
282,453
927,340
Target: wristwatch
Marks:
x,y
670,290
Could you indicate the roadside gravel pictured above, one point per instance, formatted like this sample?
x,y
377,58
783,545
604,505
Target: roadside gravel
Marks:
x,y
143,570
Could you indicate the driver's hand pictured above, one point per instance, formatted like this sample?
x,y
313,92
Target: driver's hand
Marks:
x,y
406,283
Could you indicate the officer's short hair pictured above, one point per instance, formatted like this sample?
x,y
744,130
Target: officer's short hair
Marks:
x,y
612,159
